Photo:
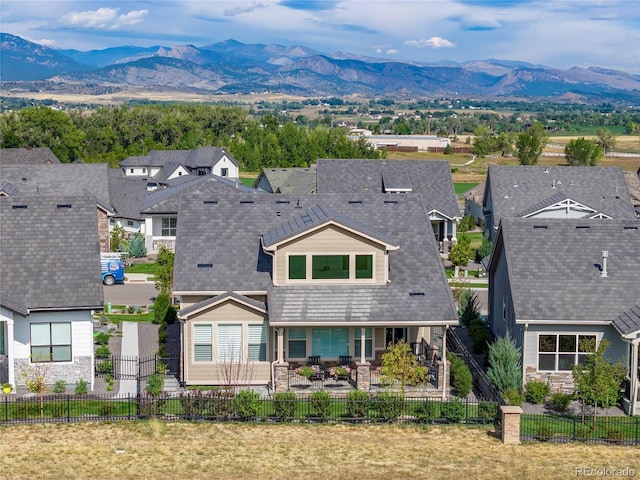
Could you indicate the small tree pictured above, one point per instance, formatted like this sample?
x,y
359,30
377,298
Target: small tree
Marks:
x,y
461,252
597,381
605,140
505,369
164,275
37,378
485,248
400,365
581,151
137,248
118,239
530,144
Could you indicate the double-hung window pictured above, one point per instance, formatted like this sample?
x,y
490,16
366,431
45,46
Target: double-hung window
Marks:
x,y
560,352
51,342
258,343
297,343
230,343
202,344
169,225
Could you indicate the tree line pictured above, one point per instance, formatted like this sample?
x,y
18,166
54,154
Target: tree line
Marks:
x,y
111,134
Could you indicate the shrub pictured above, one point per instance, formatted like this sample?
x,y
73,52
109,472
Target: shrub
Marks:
x,y
218,403
101,338
150,407
514,397
421,412
103,352
505,369
246,404
106,409
560,401
284,404
479,336
536,391
82,387
452,411
160,307
388,405
56,409
543,431
105,367
155,384
467,223
320,404
460,376
615,433
60,387
357,404
488,411
137,248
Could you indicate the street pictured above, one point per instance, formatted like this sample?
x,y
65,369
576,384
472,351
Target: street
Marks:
x,y
131,293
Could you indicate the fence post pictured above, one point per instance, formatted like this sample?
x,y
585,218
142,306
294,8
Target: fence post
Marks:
x,y
511,424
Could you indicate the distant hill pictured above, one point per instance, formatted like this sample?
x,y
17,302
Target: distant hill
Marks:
x,y
235,67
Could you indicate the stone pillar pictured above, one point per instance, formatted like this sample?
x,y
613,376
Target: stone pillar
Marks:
x,y
511,424
364,376
281,377
443,376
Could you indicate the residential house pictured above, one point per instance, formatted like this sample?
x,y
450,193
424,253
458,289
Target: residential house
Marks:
x,y
49,285
266,281
128,195
430,178
160,208
291,181
163,165
473,200
554,192
27,156
633,183
559,287
63,179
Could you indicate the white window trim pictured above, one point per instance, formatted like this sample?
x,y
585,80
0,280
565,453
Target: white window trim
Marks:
x,y
309,271
52,362
557,353
244,324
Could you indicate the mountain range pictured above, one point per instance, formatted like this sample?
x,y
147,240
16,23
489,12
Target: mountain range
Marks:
x,y
234,67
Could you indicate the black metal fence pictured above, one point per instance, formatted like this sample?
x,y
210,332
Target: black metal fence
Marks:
x,y
122,367
563,429
221,405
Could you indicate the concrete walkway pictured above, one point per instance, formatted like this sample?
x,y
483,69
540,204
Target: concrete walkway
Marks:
x,y
129,348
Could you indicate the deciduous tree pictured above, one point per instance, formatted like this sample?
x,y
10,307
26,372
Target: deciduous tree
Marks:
x,y
581,151
530,144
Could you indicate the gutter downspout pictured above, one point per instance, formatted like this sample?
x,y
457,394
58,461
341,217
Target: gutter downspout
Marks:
x,y
444,363
524,338
635,370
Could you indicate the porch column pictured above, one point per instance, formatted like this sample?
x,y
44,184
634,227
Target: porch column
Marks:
x,y
444,380
453,232
363,356
11,355
280,332
634,377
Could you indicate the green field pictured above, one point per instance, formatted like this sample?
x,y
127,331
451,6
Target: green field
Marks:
x,y
461,188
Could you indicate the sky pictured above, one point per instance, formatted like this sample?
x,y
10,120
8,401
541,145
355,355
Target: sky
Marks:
x,y
555,33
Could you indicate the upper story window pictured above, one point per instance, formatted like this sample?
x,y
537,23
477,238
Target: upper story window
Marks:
x,y
330,267
224,172
169,226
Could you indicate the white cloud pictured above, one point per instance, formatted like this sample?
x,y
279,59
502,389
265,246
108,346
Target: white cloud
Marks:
x,y
103,18
433,42
246,8
391,51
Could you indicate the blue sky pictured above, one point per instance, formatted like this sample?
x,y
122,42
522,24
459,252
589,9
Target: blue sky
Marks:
x,y
555,33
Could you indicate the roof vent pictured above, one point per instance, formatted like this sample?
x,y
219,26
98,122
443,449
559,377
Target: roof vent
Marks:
x,y
355,202
605,255
581,227
539,227
546,170
246,201
205,265
64,205
283,201
390,201
18,206
416,294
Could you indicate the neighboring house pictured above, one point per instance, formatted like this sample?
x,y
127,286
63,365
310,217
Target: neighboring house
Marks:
x,y
554,192
49,285
429,178
290,181
559,287
160,209
633,183
165,165
266,281
27,156
473,200
419,142
128,196
63,179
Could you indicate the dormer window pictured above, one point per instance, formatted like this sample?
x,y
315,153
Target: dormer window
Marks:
x,y
330,267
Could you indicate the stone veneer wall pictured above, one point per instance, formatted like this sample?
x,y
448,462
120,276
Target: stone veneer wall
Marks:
x,y
70,373
559,381
103,231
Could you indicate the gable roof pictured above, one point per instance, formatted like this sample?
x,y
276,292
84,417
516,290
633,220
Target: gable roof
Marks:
x,y
518,190
554,268
185,313
50,256
128,194
301,180
168,199
60,179
27,156
198,157
430,178
218,249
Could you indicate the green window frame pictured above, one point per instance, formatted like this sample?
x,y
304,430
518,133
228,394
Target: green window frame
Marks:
x,y
51,342
330,267
364,266
202,343
297,267
258,343
297,343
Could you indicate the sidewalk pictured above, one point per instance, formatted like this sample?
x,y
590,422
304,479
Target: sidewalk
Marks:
x,y
129,348
138,278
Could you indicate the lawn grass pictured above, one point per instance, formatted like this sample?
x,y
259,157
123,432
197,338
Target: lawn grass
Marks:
x,y
247,181
132,317
150,268
167,450
461,188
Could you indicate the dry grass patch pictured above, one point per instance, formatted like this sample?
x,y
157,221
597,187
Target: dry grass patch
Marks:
x,y
155,450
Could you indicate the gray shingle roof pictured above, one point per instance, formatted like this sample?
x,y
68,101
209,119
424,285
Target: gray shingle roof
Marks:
x,y
50,256
60,179
127,194
553,268
27,156
293,181
430,178
198,157
218,249
629,321
185,312
516,190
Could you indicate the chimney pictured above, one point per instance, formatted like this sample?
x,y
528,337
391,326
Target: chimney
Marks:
x,y
605,254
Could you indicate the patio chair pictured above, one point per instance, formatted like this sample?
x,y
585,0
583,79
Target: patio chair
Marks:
x,y
345,360
319,373
314,360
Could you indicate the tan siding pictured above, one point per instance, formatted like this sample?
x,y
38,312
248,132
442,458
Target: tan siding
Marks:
x,y
330,239
211,374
